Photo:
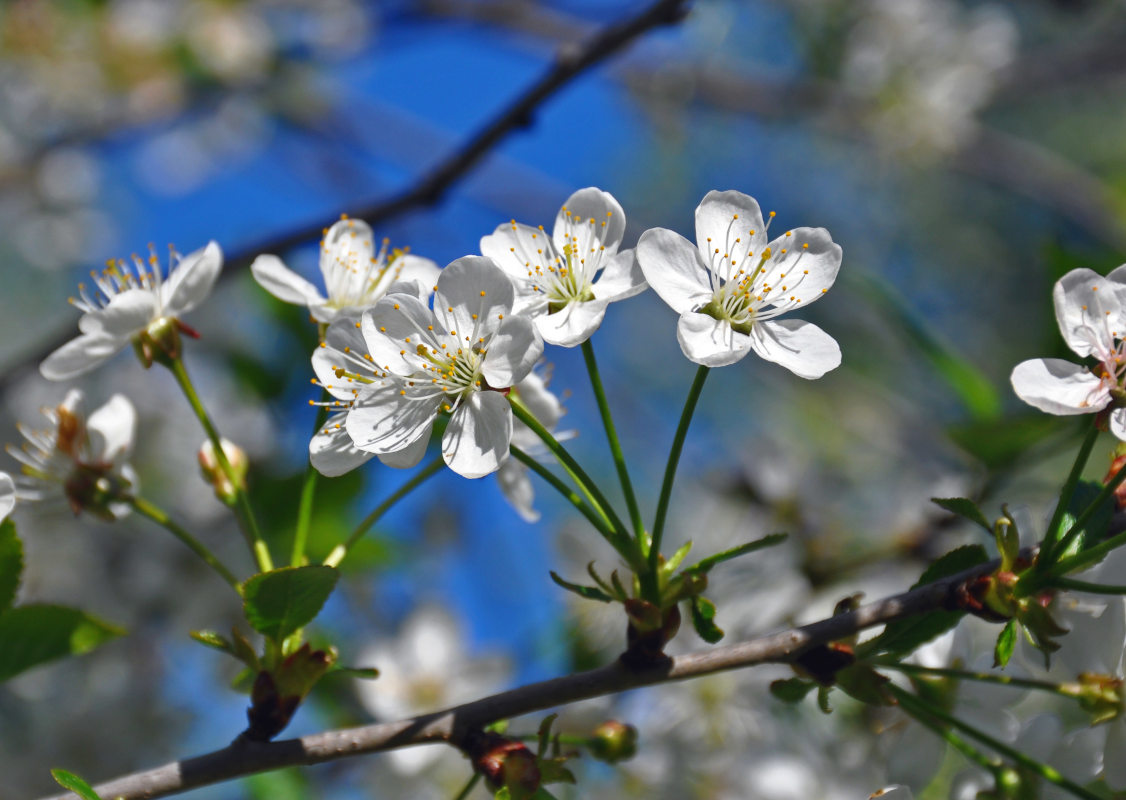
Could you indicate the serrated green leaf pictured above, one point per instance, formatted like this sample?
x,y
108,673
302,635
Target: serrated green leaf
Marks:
x,y
68,780
1006,641
791,690
589,592
964,508
703,566
906,635
11,564
34,634
279,602
703,616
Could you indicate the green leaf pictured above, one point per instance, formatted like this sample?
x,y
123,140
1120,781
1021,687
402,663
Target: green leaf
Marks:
x,y
11,564
34,634
599,580
669,567
213,640
279,602
68,780
965,508
544,734
906,635
703,616
1096,528
823,699
791,690
589,592
502,794
750,547
1006,641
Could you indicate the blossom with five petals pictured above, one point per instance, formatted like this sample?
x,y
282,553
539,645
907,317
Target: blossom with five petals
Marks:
x,y
730,286
82,460
356,275
566,281
458,358
1091,312
127,303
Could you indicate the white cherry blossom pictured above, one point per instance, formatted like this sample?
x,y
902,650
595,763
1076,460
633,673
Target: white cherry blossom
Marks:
x,y
1091,312
355,274
458,358
82,460
731,285
515,483
567,280
127,301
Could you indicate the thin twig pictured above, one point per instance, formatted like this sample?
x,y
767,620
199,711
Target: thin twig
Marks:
x,y
453,725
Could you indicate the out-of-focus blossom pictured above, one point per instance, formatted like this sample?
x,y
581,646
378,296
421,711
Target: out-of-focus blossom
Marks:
x,y
129,304
730,286
82,460
566,281
1091,312
515,483
356,275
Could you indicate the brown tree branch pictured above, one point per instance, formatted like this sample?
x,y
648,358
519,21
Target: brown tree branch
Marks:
x,y
570,62
453,725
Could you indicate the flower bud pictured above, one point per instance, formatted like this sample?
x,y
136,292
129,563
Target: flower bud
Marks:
x,y
1116,466
613,741
159,342
508,763
214,473
1100,695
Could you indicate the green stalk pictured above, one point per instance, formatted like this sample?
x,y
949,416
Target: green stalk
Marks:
x,y
469,786
586,485
341,550
308,490
573,497
991,765
612,438
981,677
1073,585
916,707
157,515
246,514
670,467
1048,549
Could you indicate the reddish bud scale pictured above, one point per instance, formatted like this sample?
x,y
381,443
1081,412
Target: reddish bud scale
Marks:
x,y
1120,493
504,762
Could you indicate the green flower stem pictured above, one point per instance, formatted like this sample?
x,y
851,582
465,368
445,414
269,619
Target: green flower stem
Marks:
x,y
612,438
917,708
157,515
246,514
670,467
981,677
341,550
308,490
620,543
467,790
957,742
1048,549
1073,585
586,485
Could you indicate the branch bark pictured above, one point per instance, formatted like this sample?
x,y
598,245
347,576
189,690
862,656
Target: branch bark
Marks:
x,y
453,725
570,62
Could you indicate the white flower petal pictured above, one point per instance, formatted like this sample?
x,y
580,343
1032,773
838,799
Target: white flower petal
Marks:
x,y
541,401
573,324
590,218
802,274
621,278
674,269
331,451
1089,310
513,350
417,270
385,420
478,292
388,326
516,486
283,283
7,495
126,314
1117,423
343,342
1058,387
724,217
709,341
476,440
896,792
347,249
79,356
191,280
112,428
799,346
408,456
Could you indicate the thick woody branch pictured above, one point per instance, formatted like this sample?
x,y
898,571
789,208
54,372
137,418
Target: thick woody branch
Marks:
x,y
571,61
453,725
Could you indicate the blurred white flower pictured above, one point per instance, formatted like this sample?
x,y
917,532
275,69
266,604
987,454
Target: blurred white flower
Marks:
x,y
356,275
515,483
566,281
126,303
730,286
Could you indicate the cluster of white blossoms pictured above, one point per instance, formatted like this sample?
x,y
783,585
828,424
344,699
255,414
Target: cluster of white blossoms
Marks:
x,y
404,350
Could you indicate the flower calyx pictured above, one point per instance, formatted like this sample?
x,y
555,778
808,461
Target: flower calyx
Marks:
x,y
226,489
1102,696
278,691
511,769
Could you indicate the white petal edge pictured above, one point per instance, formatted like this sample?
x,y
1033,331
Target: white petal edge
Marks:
x,y
79,356
113,427
283,283
1059,387
799,346
709,341
513,350
573,324
191,280
516,486
475,443
674,269
7,495
621,278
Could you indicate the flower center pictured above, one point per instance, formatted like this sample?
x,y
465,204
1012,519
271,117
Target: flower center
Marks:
x,y
568,277
355,279
119,276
